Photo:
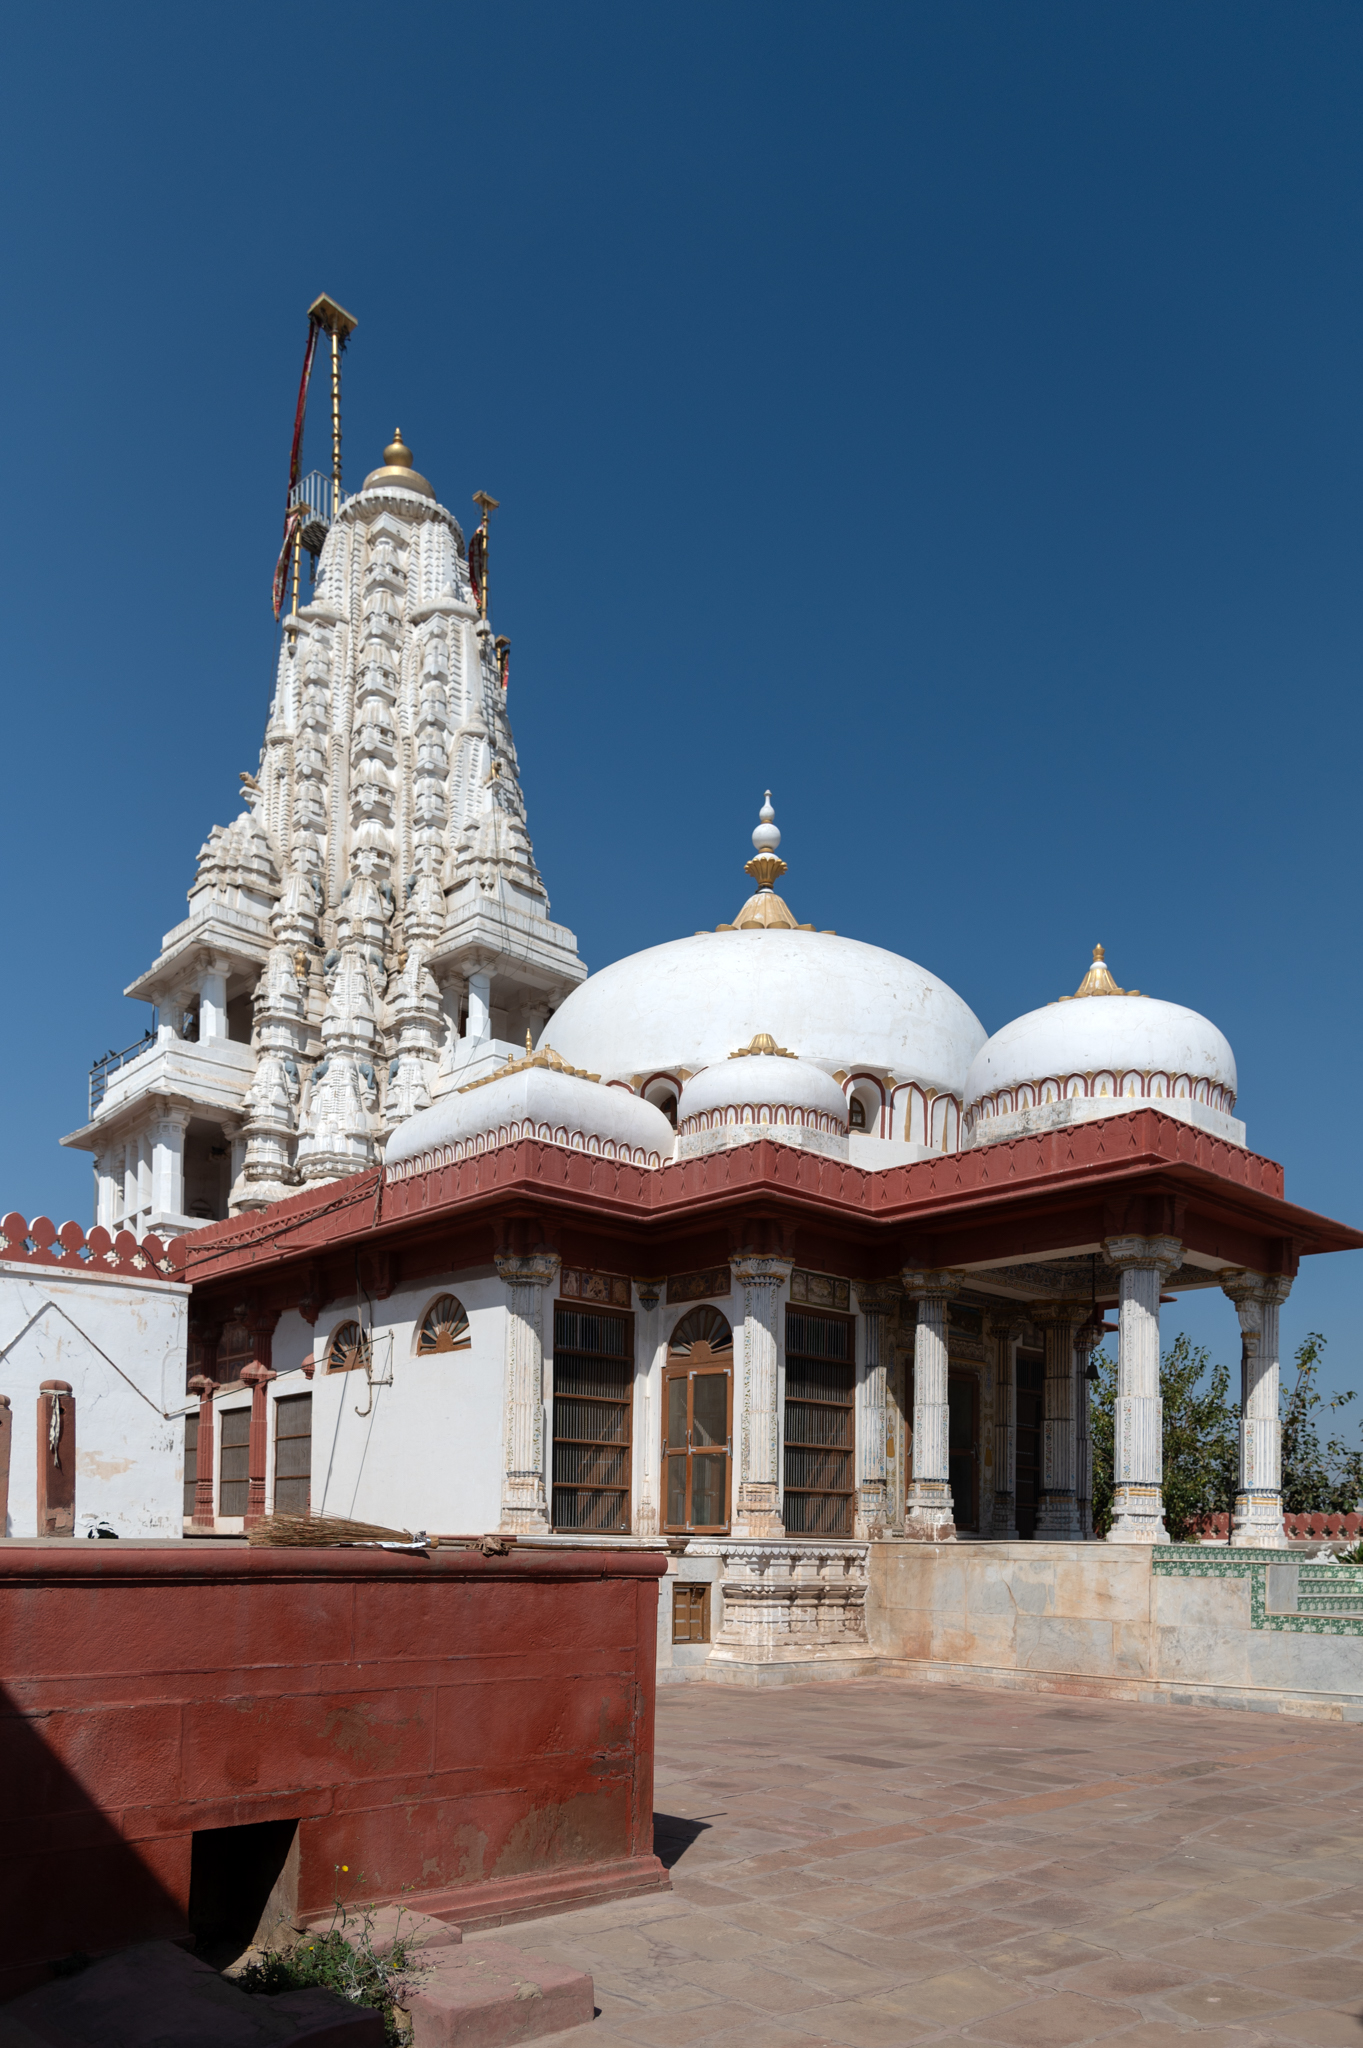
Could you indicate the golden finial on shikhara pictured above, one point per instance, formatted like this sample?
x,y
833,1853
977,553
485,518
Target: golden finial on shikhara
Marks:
x,y
1098,981
397,454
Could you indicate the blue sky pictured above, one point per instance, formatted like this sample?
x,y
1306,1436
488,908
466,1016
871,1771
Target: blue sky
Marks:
x,y
947,415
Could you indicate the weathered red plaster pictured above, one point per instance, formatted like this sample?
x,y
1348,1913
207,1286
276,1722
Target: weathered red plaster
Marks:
x,y
475,1732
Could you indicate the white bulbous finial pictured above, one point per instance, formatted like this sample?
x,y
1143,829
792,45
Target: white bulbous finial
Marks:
x,y
766,838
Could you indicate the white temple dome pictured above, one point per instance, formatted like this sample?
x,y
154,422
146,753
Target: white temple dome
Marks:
x,y
1102,1052
836,1002
537,1097
762,1092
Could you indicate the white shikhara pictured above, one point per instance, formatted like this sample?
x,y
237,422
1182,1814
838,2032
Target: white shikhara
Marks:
x,y
376,905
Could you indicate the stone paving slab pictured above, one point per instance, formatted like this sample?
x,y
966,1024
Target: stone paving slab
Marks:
x,y
876,1862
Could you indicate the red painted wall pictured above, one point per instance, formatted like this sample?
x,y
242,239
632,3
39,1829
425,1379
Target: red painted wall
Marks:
x,y
476,1732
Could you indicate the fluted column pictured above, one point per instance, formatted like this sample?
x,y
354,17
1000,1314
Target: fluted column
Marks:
x,y
1258,1518
203,1456
879,1304
1005,1331
928,1512
763,1281
1057,1515
524,1499
257,1377
1086,1341
1138,1421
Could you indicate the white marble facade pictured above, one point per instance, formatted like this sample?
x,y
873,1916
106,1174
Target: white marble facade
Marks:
x,y
372,931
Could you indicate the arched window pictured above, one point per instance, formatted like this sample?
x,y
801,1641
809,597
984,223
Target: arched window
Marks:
x,y
702,1326
698,1422
856,1114
348,1349
444,1327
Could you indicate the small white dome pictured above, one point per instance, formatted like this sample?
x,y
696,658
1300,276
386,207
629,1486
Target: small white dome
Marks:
x,y
532,1101
762,1095
1103,1052
760,1078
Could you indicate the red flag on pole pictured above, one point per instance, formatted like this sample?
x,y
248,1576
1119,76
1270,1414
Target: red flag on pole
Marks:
x,y
292,512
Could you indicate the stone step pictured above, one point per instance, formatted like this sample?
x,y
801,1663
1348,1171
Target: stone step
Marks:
x,y
486,1994
158,1996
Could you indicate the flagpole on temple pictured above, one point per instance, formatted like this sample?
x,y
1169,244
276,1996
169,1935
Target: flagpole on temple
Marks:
x,y
340,325
488,505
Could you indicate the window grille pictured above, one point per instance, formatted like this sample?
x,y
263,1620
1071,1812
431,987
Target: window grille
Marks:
x,y
444,1327
593,1397
236,1348
348,1349
698,1423
819,1424
234,1460
191,1463
293,1454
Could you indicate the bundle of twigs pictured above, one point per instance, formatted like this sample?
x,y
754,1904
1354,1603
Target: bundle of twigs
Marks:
x,y
316,1532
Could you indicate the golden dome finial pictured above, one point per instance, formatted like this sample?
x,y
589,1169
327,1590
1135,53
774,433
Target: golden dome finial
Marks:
x,y
765,910
1098,981
397,455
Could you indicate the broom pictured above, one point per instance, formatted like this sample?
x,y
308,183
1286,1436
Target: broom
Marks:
x,y
314,1532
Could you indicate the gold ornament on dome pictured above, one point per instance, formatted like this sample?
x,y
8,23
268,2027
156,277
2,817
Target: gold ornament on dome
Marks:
x,y
1098,981
546,1057
763,1046
765,911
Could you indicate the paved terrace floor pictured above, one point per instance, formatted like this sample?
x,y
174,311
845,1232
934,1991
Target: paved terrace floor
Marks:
x,y
874,1863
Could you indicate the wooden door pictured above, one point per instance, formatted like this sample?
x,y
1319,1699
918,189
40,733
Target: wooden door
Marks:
x,y
698,1405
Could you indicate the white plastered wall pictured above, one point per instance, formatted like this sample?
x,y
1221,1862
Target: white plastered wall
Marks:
x,y
427,1454
122,1347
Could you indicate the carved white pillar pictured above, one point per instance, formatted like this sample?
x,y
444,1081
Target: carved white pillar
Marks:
x,y
131,1155
1258,1518
1138,1421
1005,1331
879,1305
168,1163
648,1411
479,1024
763,1282
1086,1341
524,1497
928,1513
212,983
1057,1515
145,1182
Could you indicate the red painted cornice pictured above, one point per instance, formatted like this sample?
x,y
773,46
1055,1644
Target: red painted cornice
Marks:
x,y
963,1206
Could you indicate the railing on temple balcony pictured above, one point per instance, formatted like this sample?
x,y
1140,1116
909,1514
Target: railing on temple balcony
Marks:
x,y
315,492
112,1061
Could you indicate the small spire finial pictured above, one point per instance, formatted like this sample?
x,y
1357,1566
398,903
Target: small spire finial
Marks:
x,y
1098,981
766,838
397,455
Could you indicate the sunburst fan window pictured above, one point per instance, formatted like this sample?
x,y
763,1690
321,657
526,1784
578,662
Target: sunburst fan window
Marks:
x,y
348,1349
444,1327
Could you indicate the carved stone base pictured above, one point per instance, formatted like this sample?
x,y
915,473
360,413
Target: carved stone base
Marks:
x,y
872,1518
1137,1516
1057,1519
929,1516
1257,1522
1004,1525
523,1507
759,1510
789,1603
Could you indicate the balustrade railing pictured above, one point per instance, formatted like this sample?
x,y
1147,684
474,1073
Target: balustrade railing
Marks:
x,y
112,1061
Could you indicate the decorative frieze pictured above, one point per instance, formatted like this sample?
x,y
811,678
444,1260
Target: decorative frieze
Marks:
x,y
613,1289
708,1284
822,1290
